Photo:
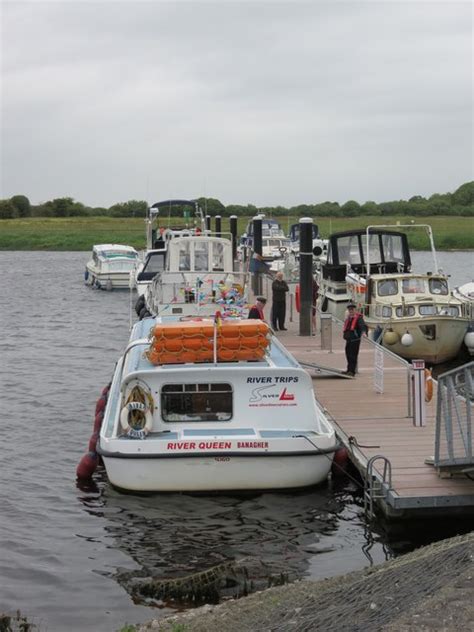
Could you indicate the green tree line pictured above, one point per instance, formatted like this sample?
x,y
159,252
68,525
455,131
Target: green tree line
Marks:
x,y
460,202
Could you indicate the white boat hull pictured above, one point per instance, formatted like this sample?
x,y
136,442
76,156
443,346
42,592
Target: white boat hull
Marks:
x,y
108,280
217,473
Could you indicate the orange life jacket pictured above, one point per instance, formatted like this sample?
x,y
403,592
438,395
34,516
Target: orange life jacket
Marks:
x,y
350,326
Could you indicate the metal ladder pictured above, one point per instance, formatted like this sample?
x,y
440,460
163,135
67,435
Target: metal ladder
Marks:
x,y
374,487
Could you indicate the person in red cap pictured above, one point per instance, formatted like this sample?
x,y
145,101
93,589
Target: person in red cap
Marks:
x,y
353,329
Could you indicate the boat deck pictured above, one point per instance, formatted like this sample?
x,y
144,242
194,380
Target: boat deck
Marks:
x,y
371,423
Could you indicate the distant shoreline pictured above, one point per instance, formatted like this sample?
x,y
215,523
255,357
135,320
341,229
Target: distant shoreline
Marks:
x,y
451,233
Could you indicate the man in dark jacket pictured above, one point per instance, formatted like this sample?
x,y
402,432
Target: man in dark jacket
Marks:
x,y
279,290
353,330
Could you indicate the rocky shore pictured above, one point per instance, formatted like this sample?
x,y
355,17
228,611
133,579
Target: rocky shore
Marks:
x,y
429,589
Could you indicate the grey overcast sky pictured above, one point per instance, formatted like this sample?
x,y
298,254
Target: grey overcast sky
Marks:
x,y
257,102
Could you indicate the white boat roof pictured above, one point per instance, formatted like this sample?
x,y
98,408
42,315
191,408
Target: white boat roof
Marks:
x,y
103,249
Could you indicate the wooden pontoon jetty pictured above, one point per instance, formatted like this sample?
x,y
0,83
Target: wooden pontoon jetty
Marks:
x,y
409,471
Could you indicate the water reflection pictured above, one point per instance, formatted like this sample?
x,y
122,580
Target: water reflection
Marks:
x,y
169,536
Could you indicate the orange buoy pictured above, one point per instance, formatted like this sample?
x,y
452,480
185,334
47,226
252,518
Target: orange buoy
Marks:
x,y
428,386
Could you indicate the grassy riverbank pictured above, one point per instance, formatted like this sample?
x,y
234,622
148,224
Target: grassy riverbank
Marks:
x,y
80,233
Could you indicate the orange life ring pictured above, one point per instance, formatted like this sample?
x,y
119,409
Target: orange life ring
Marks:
x,y
428,386
297,298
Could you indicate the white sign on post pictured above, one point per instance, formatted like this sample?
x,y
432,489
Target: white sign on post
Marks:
x,y
378,369
419,411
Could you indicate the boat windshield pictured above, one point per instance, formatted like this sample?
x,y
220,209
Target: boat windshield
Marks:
x,y
438,286
155,263
114,254
413,286
196,402
387,287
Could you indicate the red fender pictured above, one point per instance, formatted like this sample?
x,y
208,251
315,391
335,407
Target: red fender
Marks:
x,y
93,442
298,298
340,461
98,421
87,465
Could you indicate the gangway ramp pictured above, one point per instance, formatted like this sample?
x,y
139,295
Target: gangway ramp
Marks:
x,y
328,370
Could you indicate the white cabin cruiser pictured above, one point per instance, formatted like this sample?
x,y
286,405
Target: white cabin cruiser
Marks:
x,y
198,279
110,266
209,405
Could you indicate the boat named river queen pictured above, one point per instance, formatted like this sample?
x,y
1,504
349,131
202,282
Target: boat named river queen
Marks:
x,y
212,404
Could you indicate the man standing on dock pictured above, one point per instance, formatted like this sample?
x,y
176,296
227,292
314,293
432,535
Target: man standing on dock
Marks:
x,y
279,290
353,330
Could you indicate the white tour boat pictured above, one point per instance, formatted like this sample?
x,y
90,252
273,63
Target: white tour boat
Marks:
x,y
209,405
110,266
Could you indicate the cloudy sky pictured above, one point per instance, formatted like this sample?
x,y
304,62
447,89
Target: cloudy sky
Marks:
x,y
256,102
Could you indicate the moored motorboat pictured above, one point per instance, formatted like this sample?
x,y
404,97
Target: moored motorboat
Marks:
x,y
198,278
110,266
212,405
412,314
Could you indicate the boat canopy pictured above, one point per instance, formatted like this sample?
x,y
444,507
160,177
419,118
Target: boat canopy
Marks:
x,y
387,251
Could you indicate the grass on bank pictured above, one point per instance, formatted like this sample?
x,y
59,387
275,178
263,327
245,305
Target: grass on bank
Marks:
x,y
80,233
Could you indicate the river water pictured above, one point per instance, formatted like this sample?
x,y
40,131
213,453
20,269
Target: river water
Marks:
x,y
66,550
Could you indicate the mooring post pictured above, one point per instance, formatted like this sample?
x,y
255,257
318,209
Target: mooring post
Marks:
x,y
218,226
233,232
306,274
257,255
208,223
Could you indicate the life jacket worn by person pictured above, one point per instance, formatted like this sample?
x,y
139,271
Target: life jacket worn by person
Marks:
x,y
350,329
256,312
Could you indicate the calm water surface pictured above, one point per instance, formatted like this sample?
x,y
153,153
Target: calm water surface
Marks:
x,y
65,549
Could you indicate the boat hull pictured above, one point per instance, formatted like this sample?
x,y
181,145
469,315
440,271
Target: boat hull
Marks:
x,y
107,280
449,338
217,473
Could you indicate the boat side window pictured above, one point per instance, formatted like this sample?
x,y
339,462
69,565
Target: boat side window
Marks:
x,y
438,286
348,250
407,310
196,402
387,287
413,286
184,256
427,310
374,249
448,310
217,257
383,311
392,248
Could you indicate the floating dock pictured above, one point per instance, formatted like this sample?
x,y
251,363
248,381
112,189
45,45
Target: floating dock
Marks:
x,y
393,456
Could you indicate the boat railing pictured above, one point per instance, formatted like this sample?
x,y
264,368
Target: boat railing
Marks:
x,y
454,448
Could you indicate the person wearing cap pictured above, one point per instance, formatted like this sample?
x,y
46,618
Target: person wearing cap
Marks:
x,y
353,329
256,311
